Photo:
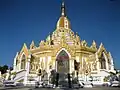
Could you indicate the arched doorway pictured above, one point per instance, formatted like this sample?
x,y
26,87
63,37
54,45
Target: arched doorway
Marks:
x,y
62,63
102,62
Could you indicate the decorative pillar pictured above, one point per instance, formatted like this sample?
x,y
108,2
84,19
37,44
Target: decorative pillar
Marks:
x,y
20,64
0,74
48,68
44,63
98,64
54,63
112,63
70,66
106,61
56,66
107,66
14,65
27,70
40,63
91,67
77,58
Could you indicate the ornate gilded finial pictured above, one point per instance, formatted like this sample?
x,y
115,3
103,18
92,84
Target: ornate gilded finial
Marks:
x,y
50,36
101,45
77,39
77,34
63,9
94,45
32,45
50,40
42,43
84,43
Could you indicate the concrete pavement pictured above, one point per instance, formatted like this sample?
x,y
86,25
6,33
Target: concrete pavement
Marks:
x,y
32,88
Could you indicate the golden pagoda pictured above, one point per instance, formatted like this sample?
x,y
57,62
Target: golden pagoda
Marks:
x,y
64,52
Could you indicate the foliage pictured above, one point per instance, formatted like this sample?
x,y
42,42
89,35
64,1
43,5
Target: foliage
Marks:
x,y
4,75
111,77
11,68
3,69
21,80
106,79
14,73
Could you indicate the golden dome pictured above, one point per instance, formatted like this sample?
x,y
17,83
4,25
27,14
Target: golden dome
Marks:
x,y
63,22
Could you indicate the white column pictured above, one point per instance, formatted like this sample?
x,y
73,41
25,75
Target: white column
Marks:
x,y
77,58
82,62
91,66
98,63
107,66
55,65
20,65
106,60
44,61
27,70
0,74
40,62
14,65
70,67
112,63
82,67
48,69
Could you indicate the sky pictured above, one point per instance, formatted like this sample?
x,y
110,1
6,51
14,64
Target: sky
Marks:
x,y
22,21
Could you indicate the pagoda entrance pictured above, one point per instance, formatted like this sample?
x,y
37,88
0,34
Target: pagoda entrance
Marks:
x,y
62,63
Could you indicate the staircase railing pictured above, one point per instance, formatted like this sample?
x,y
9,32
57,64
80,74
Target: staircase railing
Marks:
x,y
20,75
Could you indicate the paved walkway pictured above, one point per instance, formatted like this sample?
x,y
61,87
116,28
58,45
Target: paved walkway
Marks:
x,y
32,88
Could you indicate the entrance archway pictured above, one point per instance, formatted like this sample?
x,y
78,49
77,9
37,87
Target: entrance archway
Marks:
x,y
62,62
102,62
62,68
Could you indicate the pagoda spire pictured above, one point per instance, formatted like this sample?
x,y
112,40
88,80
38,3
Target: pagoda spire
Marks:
x,y
63,13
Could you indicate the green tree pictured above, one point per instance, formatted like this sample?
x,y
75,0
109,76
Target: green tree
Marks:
x,y
107,78
11,68
3,69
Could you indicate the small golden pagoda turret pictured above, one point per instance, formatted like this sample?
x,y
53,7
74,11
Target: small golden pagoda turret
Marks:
x,y
94,46
32,45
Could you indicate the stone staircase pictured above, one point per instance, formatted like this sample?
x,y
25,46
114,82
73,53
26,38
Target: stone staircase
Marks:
x,y
20,75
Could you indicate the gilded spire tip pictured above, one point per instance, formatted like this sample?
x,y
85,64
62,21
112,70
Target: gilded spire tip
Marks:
x,y
63,9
